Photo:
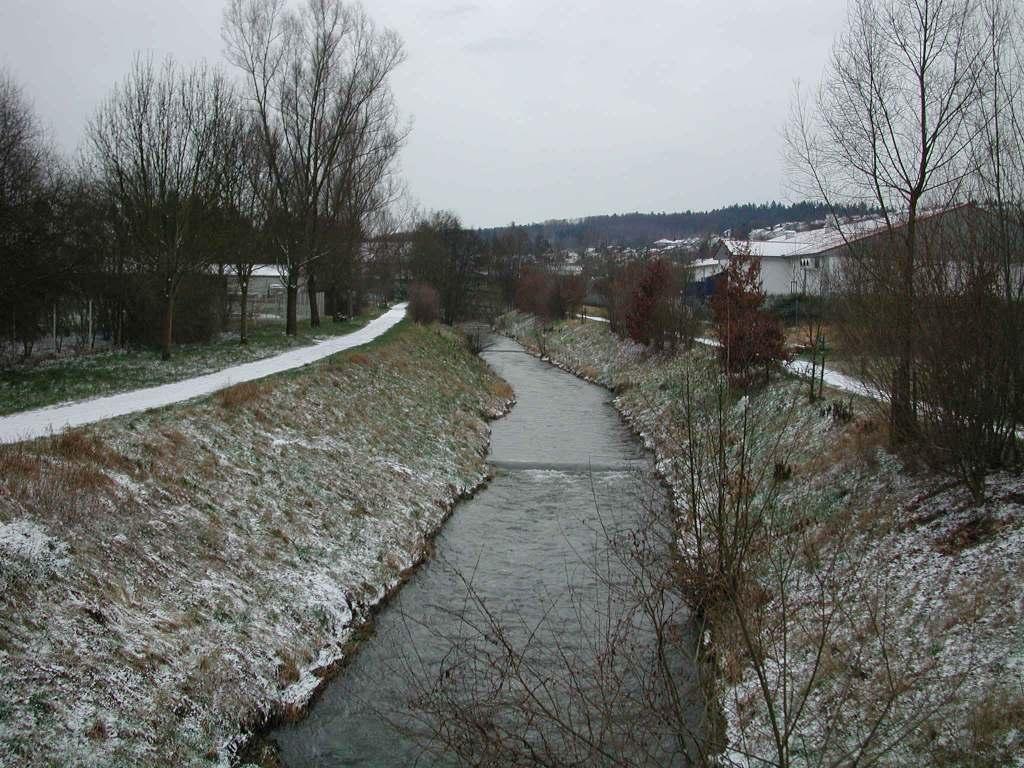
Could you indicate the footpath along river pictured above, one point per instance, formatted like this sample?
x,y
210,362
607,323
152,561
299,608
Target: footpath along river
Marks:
x,y
568,476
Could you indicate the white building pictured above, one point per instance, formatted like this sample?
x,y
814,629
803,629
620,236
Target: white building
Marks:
x,y
702,269
796,260
799,261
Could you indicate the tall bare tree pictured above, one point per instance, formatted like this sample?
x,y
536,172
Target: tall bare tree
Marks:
x,y
160,145
312,75
893,125
999,181
362,195
449,258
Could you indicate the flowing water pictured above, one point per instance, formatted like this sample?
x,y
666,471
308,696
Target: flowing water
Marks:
x,y
567,472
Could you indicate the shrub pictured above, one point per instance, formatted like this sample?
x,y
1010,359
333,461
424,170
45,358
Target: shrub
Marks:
x,y
751,338
653,311
424,304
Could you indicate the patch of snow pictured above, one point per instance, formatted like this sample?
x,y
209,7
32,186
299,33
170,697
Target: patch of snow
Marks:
x,y
28,542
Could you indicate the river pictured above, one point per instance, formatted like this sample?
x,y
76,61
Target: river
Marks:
x,y
534,544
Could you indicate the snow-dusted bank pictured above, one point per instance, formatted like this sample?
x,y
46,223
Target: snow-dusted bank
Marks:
x,y
171,580
888,614
41,422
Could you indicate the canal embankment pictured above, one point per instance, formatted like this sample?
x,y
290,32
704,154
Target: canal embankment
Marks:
x,y
538,631
173,580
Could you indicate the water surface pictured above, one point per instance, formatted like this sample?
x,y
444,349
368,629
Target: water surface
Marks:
x,y
533,544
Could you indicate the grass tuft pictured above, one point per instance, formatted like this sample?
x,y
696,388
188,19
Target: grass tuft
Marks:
x,y
246,393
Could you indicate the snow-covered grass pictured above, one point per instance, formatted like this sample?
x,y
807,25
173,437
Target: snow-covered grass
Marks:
x,y
39,383
171,580
921,588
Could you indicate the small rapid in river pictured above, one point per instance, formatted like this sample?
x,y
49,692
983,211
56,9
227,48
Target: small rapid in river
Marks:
x,y
568,477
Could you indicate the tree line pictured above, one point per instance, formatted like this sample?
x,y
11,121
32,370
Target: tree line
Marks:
x,y
188,176
640,229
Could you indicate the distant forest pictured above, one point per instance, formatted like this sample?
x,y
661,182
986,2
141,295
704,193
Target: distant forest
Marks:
x,y
639,229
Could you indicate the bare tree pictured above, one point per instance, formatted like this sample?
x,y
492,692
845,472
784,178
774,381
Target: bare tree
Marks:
x,y
313,76
160,146
361,196
448,257
892,125
999,182
245,206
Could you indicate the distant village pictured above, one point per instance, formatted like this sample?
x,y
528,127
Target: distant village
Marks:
x,y
796,257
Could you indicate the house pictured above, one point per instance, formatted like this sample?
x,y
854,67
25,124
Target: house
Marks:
x,y
702,269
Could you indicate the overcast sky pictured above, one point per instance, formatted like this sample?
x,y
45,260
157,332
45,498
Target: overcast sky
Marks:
x,y
522,110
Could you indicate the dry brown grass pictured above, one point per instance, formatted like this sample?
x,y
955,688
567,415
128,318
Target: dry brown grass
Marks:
x,y
175,436
991,720
976,530
501,388
246,393
80,479
98,731
358,358
83,446
18,462
287,669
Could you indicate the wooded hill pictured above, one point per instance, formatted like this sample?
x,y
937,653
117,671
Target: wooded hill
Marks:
x,y
637,229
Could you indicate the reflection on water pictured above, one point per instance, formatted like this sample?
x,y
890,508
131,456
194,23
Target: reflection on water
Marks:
x,y
533,544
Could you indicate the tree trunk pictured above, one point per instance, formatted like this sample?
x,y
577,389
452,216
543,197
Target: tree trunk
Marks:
x,y
292,322
314,310
243,304
902,407
167,336
332,306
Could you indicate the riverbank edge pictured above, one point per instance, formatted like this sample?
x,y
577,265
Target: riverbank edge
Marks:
x,y
255,747
421,396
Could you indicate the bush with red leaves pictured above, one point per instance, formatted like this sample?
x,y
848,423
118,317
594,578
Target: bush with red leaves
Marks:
x,y
752,339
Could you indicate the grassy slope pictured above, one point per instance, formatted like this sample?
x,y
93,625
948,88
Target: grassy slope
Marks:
x,y
169,579
943,570
75,378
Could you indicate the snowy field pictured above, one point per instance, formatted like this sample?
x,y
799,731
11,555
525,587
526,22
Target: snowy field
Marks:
x,y
171,580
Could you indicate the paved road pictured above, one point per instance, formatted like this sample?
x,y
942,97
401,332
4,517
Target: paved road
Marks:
x,y
28,425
